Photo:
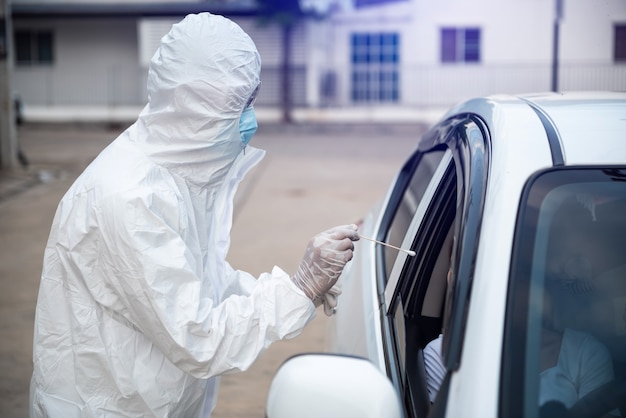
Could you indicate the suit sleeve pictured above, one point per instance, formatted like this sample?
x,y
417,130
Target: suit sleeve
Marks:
x,y
155,271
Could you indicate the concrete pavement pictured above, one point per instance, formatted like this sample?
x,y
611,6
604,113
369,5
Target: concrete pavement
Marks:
x,y
314,176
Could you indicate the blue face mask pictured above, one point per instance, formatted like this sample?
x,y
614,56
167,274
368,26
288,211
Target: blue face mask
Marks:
x,y
247,125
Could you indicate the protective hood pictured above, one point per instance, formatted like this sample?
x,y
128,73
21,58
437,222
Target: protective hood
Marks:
x,y
199,82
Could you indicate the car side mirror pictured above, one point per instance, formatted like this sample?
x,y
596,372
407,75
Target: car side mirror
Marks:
x,y
331,385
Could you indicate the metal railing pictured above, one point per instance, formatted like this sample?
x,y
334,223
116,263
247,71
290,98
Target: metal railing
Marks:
x,y
434,85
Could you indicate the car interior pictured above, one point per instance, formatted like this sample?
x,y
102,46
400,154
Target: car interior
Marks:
x,y
427,325
423,318
586,277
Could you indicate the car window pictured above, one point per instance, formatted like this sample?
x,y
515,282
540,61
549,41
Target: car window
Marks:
x,y
565,337
428,293
417,304
421,174
408,236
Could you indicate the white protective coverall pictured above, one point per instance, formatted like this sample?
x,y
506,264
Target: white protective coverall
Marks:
x,y
138,311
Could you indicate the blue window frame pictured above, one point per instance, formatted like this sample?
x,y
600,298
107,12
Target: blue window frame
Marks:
x,y
375,58
460,45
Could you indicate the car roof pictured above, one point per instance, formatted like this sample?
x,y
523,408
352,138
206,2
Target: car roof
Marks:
x,y
591,125
582,128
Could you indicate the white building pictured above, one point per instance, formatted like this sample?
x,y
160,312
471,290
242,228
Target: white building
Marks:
x,y
379,53
420,53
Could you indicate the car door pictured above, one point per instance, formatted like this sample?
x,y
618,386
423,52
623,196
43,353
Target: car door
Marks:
x,y
435,211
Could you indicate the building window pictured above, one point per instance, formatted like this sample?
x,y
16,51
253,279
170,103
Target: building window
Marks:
x,y
460,45
375,60
620,43
33,47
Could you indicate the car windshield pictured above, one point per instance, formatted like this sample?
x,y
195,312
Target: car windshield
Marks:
x,y
567,297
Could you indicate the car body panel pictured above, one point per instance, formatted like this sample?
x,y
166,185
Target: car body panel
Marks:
x,y
360,315
521,135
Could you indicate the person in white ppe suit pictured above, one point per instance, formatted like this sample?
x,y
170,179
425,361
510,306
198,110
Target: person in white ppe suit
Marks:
x,y
138,311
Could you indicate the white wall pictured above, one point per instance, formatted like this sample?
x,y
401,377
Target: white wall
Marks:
x,y
95,62
516,46
587,29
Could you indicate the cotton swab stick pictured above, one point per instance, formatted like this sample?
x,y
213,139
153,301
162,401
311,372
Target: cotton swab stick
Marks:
x,y
409,252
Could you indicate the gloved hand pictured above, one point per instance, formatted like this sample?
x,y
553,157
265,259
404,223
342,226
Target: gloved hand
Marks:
x,y
329,300
324,259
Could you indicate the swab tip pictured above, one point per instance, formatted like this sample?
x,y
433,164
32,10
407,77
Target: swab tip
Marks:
x,y
411,253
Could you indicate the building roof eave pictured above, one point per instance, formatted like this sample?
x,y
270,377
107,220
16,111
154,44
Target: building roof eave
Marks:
x,y
99,10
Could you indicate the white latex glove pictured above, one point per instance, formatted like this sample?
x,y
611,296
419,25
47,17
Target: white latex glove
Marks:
x,y
324,259
329,300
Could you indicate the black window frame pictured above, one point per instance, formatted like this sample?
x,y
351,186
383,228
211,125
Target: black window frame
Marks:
x,y
473,142
472,150
619,42
34,47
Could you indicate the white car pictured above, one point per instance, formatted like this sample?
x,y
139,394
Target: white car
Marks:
x,y
516,210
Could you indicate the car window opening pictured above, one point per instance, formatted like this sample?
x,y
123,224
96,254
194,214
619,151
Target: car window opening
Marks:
x,y
571,283
423,287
